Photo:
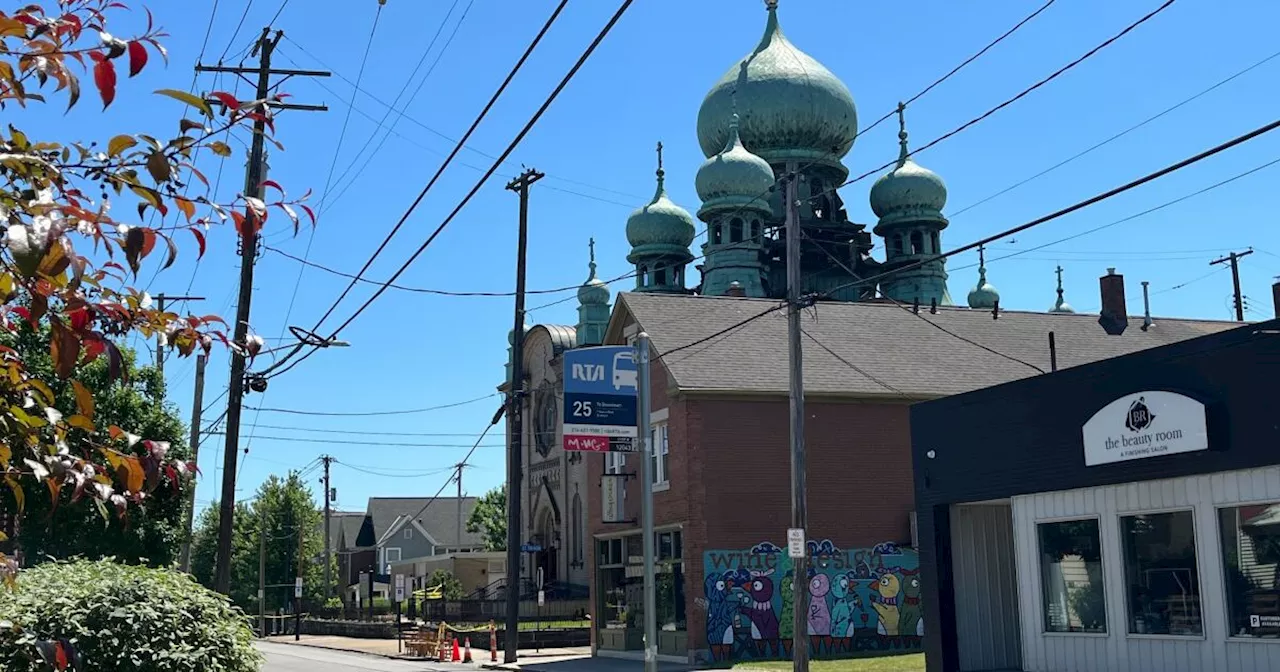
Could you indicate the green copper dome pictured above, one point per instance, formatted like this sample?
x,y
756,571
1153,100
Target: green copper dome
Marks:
x,y
792,107
984,295
734,174
511,335
661,222
593,292
909,192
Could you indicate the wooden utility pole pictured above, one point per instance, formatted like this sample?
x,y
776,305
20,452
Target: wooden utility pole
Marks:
x,y
161,343
328,548
799,495
196,405
297,591
1234,259
461,465
249,242
262,576
515,470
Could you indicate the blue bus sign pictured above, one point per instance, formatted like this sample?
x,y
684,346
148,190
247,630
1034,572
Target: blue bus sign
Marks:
x,y
600,402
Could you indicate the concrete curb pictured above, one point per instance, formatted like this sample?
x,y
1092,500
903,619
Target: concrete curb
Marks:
x,y
388,656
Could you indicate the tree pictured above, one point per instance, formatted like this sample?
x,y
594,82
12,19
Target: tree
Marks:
x,y
282,508
74,211
489,519
451,587
84,528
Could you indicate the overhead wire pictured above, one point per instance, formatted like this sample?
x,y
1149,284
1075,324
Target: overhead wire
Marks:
x,y
480,183
244,15
362,432
390,444
292,411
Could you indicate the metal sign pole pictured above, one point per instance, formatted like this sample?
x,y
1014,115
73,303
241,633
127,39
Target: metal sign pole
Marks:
x,y
646,505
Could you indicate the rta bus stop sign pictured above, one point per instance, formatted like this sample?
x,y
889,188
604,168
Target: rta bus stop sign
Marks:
x,y
600,386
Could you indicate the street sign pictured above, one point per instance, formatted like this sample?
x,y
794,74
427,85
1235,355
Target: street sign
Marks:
x,y
795,542
611,497
399,587
530,548
297,587
600,403
542,598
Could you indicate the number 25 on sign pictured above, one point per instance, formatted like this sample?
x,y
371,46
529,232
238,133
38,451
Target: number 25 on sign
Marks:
x,y
581,409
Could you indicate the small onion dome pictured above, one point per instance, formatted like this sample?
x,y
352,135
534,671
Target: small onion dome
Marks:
x,y
1061,305
792,106
661,222
984,295
511,335
909,192
593,292
734,174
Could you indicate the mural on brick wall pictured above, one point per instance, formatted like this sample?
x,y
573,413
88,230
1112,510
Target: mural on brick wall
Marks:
x,y
860,601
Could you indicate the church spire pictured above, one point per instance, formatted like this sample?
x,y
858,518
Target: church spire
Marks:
x,y
1061,305
903,153
660,234
984,295
593,305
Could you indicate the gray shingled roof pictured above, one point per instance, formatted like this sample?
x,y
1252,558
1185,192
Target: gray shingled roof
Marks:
x,y
440,519
344,521
890,344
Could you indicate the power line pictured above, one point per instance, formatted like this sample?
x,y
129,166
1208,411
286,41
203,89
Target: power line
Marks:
x,y
853,366
294,439
978,119
372,413
363,432
384,474
1113,138
1180,285
480,183
285,3
248,5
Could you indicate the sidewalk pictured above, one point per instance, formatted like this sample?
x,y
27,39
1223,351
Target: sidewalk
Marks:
x,y
577,660
377,647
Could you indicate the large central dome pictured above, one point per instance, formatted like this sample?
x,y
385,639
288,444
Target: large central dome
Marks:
x,y
791,107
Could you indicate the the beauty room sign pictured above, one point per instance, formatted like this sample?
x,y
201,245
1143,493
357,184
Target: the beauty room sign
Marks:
x,y
1145,424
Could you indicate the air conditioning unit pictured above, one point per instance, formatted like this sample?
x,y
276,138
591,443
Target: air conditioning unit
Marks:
x,y
915,532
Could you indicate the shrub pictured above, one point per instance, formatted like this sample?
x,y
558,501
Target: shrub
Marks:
x,y
108,617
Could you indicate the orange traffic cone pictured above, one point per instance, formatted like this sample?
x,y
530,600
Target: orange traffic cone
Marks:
x,y
466,658
457,653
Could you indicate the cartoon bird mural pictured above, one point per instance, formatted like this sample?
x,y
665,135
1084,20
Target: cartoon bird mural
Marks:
x,y
786,624
720,612
912,619
886,591
845,603
758,608
819,612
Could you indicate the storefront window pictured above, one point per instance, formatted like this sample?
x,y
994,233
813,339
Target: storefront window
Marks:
x,y
1251,560
669,580
1162,579
1071,576
613,580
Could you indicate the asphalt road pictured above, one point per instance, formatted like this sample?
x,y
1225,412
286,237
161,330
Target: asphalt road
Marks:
x,y
289,658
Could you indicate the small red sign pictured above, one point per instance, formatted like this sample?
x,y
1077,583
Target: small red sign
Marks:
x,y
586,443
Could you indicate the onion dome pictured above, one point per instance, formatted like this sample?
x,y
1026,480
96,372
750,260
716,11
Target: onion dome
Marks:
x,y
593,292
984,295
511,335
792,107
734,174
661,222
909,192
1061,305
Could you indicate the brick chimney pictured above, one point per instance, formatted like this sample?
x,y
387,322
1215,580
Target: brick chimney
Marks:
x,y
1115,316
735,289
1275,296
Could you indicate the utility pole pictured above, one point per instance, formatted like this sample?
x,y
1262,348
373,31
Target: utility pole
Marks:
x,y
297,592
1234,259
262,576
263,50
196,405
460,466
161,343
646,450
515,470
328,560
799,496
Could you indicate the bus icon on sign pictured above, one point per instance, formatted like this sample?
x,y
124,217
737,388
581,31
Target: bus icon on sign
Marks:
x,y
624,377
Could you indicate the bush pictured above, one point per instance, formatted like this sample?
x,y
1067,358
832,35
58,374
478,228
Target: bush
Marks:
x,y
111,617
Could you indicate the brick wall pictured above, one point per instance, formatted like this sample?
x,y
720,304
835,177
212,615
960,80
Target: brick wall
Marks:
x,y
731,478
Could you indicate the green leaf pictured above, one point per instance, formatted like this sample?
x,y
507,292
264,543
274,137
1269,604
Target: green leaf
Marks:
x,y
194,101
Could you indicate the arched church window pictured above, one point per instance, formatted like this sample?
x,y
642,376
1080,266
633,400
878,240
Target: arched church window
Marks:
x,y
755,230
917,242
716,235
660,276
897,243
642,276
735,230
577,533
937,245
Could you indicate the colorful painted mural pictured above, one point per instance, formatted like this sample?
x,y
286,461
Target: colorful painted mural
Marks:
x,y
860,601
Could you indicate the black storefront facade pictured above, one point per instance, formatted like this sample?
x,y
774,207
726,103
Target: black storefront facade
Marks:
x,y
1121,516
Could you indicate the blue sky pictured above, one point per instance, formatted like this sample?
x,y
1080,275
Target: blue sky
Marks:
x,y
645,84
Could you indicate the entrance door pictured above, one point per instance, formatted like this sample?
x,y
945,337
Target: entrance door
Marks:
x,y
986,587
